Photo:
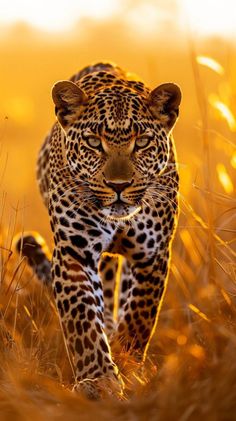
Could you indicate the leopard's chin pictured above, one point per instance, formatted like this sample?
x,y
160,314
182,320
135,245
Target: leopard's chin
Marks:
x,y
119,212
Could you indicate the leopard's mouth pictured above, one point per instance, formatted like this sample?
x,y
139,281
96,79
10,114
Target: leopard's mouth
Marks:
x,y
119,211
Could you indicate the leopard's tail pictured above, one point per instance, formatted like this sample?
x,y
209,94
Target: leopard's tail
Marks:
x,y
33,247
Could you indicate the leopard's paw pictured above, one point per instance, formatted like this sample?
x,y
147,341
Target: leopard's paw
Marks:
x,y
101,388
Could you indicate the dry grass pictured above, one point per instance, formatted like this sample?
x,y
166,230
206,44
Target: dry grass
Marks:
x,y
191,367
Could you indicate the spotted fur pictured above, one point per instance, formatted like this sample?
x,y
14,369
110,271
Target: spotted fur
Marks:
x,y
107,173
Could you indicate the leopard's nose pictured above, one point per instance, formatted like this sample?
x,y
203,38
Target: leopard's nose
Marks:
x,y
118,187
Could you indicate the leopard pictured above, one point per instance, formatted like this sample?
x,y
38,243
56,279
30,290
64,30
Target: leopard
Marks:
x,y
108,176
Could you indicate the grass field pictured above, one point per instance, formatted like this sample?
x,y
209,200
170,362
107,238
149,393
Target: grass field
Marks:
x,y
190,371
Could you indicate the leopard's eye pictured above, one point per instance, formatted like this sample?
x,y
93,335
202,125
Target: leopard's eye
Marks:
x,y
142,142
93,141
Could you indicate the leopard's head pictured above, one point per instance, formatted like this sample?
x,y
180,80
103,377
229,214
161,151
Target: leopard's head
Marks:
x,y
116,137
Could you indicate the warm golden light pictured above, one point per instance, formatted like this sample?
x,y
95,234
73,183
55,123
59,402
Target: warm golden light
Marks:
x,y
224,111
233,160
197,351
187,42
211,64
198,312
56,16
210,16
144,17
189,244
224,178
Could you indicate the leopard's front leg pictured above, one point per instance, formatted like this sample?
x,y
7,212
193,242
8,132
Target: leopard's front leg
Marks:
x,y
79,298
140,312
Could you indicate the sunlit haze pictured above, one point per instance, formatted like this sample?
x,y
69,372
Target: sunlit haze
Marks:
x,y
56,16
204,17
210,16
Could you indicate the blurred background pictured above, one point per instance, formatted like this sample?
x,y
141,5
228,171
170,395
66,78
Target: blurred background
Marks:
x,y
191,43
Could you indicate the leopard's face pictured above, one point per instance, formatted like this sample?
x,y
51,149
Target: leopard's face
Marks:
x,y
117,147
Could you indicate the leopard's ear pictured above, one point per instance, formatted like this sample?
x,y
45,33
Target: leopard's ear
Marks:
x,y
69,100
164,103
